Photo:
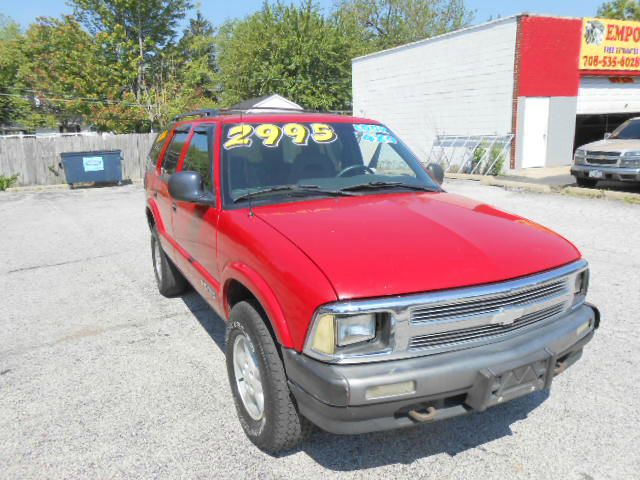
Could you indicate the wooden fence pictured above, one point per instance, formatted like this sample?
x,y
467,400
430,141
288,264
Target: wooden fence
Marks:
x,y
36,159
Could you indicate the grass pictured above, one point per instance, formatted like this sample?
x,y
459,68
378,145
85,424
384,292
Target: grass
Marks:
x,y
7,182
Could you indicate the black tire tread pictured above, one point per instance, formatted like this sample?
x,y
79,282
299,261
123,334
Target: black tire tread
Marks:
x,y
287,427
173,282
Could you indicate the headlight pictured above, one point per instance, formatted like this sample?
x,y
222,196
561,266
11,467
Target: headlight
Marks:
x,y
630,159
580,156
336,335
580,287
355,329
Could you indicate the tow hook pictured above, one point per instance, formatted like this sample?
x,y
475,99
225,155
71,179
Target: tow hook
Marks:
x,y
560,367
423,417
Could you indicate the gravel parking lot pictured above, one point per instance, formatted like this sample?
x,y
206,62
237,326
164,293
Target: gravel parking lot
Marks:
x,y
101,377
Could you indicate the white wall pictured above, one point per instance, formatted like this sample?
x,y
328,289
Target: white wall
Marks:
x,y
456,84
599,95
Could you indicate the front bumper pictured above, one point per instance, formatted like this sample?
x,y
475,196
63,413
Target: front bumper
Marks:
x,y
455,383
610,173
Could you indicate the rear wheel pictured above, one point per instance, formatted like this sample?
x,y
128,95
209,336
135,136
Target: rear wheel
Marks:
x,y
264,403
169,279
586,182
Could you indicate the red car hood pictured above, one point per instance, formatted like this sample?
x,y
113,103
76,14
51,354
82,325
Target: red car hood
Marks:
x,y
390,244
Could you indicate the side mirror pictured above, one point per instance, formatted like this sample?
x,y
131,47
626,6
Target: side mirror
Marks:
x,y
607,135
436,172
188,187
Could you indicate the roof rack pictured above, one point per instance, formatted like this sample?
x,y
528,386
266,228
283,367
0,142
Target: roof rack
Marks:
x,y
231,110
212,112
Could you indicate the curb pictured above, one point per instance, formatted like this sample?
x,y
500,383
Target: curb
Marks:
x,y
498,182
510,184
463,176
540,188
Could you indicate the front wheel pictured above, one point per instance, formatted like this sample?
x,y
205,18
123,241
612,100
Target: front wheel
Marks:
x,y
264,404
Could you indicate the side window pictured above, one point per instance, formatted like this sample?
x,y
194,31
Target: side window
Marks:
x,y
387,161
172,155
198,157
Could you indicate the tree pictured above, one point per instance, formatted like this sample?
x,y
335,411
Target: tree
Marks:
x,y
9,29
134,33
389,23
286,49
187,77
620,10
68,80
14,106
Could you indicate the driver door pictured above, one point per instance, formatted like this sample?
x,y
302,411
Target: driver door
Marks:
x,y
195,226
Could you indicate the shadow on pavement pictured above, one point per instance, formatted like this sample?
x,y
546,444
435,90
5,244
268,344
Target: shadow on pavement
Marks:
x,y
629,187
347,453
404,446
210,320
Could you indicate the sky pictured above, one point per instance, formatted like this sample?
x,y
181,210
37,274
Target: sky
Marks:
x,y
217,11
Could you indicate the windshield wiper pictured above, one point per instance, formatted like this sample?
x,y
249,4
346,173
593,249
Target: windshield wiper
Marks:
x,y
292,190
378,185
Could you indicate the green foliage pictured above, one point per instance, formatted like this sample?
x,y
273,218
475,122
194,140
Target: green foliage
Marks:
x,y
389,23
123,66
620,10
134,35
286,49
7,182
13,105
9,29
487,164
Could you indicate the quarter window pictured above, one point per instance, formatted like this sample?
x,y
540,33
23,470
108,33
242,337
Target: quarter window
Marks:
x,y
198,157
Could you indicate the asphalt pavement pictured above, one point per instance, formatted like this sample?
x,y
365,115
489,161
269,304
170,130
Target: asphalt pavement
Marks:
x,y
101,377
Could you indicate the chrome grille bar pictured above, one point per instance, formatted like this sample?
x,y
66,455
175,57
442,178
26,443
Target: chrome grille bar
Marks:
x,y
485,305
489,331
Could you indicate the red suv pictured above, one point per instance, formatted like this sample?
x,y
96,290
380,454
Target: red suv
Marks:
x,y
358,294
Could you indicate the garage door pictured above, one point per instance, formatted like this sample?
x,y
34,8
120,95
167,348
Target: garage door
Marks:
x,y
601,95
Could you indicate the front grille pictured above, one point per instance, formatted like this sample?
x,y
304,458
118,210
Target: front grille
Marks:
x,y
483,332
602,158
488,304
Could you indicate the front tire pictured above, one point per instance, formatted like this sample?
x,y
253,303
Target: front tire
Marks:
x,y
263,401
168,278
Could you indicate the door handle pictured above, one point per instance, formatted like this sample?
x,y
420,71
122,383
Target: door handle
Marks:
x,y
174,207
155,194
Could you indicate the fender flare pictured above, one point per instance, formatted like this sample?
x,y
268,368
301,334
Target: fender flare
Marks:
x,y
152,206
260,289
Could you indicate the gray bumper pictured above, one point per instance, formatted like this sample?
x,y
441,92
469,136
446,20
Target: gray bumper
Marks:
x,y
610,173
455,383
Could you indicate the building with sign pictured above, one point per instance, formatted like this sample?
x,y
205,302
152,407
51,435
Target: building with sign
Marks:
x,y
553,83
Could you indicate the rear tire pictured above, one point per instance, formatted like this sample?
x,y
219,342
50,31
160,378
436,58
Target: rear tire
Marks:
x,y
169,279
586,182
273,422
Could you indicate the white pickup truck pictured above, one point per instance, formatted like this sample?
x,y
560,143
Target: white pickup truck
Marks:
x,y
617,157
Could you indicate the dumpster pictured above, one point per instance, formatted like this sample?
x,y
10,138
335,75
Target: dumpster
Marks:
x,y
95,167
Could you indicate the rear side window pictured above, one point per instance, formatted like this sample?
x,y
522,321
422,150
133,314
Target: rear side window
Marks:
x,y
198,157
172,154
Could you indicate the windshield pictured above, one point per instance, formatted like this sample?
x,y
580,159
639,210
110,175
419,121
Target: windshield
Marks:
x,y
272,162
629,130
